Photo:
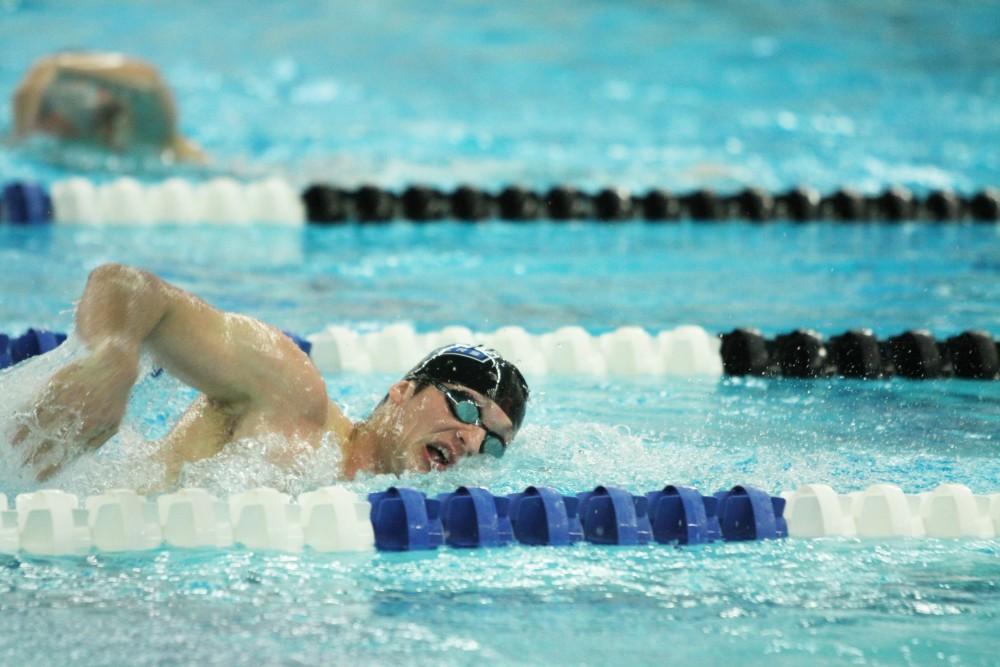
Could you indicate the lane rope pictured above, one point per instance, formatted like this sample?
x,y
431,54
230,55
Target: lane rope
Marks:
x,y
273,200
332,519
684,351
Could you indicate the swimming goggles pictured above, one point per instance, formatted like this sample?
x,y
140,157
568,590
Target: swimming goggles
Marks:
x,y
466,410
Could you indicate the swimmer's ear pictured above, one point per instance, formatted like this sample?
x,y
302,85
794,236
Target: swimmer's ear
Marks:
x,y
400,391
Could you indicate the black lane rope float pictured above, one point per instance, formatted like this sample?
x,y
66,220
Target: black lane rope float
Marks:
x,y
858,353
327,204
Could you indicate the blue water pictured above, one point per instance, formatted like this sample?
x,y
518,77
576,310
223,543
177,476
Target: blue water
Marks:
x,y
632,93
540,276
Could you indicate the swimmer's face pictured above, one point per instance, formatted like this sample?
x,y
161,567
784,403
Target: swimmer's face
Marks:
x,y
428,434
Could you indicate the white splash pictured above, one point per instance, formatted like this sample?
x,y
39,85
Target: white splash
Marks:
x,y
128,459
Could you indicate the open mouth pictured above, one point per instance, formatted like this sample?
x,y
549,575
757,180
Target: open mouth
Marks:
x,y
439,455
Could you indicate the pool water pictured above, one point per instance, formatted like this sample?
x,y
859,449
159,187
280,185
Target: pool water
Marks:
x,y
631,93
775,277
832,600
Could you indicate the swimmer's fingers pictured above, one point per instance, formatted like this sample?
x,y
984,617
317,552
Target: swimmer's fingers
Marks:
x,y
50,446
53,453
41,453
49,457
47,472
54,456
42,419
71,445
43,416
28,425
20,434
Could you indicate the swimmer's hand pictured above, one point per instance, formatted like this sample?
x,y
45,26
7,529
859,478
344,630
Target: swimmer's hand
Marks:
x,y
78,411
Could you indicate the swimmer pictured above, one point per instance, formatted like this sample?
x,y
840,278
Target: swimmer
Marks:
x,y
105,100
460,401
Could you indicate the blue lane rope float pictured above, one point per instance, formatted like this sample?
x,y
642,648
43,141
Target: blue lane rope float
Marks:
x,y
681,514
609,515
25,204
33,342
802,353
473,517
542,516
406,520
224,200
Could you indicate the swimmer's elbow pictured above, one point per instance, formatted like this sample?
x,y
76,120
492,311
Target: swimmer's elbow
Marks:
x,y
110,283
126,286
120,301
119,277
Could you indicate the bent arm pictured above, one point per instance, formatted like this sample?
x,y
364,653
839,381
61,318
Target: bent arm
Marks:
x,y
242,366
233,359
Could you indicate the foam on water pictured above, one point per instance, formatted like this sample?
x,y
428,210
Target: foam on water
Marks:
x,y
128,459
18,387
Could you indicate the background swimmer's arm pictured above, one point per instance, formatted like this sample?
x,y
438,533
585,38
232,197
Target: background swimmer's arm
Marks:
x,y
28,97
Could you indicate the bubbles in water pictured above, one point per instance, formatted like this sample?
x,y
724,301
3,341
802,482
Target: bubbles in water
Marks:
x,y
251,463
130,458
18,387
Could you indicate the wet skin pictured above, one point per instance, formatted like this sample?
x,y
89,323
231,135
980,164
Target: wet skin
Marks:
x,y
254,382
429,436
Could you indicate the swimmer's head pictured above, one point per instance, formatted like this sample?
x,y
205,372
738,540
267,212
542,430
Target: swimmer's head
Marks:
x,y
461,400
481,369
112,114
100,100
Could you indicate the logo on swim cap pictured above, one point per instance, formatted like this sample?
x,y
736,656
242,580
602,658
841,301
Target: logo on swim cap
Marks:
x,y
479,368
479,354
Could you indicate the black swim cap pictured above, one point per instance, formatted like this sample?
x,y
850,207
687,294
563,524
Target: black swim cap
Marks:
x,y
479,368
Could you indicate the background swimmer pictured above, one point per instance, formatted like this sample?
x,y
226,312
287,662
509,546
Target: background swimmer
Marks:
x,y
105,100
460,401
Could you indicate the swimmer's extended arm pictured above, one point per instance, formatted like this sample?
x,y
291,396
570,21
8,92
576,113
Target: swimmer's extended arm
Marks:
x,y
241,365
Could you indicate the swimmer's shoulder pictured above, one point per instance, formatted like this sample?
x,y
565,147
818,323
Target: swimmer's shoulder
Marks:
x,y
338,423
302,388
